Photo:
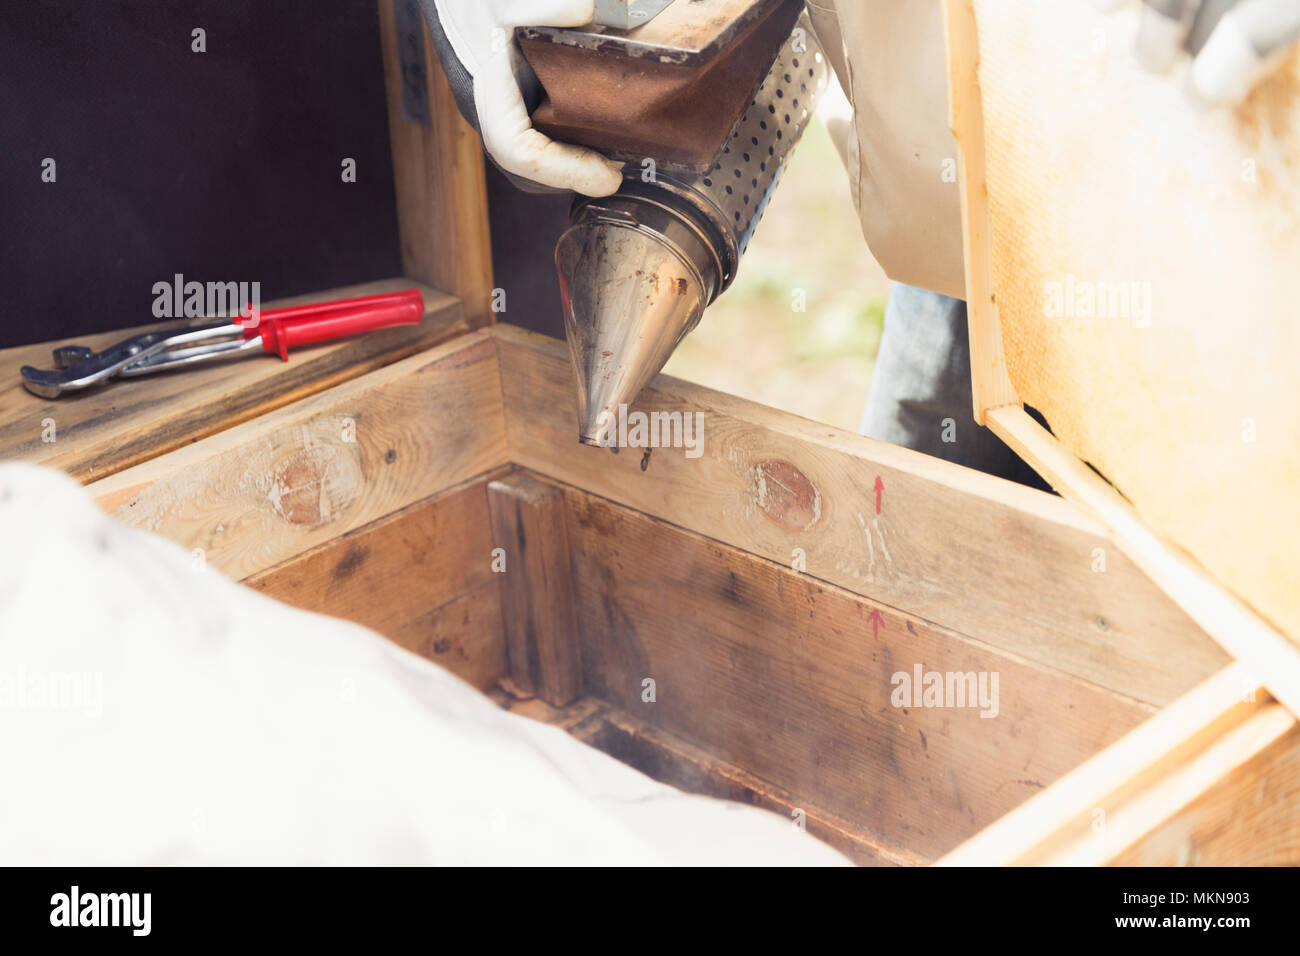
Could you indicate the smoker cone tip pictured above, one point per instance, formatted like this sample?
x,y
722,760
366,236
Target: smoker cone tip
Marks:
x,y
599,435
629,296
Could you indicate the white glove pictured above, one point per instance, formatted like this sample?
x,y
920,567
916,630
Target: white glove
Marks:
x,y
475,42
1235,43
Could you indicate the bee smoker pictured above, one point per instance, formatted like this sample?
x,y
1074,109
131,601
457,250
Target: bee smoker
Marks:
x,y
706,125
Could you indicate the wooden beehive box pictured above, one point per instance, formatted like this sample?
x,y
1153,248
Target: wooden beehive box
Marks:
x,y
733,623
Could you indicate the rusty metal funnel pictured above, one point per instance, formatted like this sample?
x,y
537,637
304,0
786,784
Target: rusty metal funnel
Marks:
x,y
635,279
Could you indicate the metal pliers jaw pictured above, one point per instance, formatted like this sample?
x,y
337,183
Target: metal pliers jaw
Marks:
x,y
274,331
77,367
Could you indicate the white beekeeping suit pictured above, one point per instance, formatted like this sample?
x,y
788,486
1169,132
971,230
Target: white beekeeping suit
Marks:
x,y
900,154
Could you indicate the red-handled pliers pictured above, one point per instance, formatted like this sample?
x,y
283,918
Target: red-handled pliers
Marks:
x,y
274,330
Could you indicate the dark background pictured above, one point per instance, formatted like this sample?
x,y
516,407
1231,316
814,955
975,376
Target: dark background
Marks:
x,y
222,166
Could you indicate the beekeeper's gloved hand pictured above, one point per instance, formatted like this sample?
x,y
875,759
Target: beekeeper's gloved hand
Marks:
x,y
1234,43
490,78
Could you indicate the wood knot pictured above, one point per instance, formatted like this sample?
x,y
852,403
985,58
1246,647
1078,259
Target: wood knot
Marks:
x,y
315,484
786,495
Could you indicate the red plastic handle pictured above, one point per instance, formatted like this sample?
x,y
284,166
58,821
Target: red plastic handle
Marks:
x,y
295,325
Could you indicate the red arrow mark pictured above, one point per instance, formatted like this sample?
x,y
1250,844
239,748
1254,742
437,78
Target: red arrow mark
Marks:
x,y
876,621
880,489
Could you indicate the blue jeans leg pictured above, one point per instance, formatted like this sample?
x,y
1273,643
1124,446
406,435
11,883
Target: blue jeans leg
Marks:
x,y
920,395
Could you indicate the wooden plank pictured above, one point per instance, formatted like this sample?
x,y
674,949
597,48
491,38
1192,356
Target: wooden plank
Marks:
x,y
262,492
794,681
1270,655
990,384
437,166
1082,813
1250,817
528,525
669,759
98,433
1173,793
463,635
419,576
1017,568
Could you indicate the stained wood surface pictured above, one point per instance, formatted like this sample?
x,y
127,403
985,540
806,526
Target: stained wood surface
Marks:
x,y
1213,779
262,492
669,759
1078,814
419,576
1006,564
99,432
1271,657
437,167
1250,817
1221,760
790,679
528,525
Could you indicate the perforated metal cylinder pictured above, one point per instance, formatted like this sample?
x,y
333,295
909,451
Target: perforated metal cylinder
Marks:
x,y
747,170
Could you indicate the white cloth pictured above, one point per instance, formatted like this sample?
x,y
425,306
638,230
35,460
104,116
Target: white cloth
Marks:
x,y
154,712
901,156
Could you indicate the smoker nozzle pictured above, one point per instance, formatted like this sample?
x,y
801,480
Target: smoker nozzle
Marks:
x,y
635,276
